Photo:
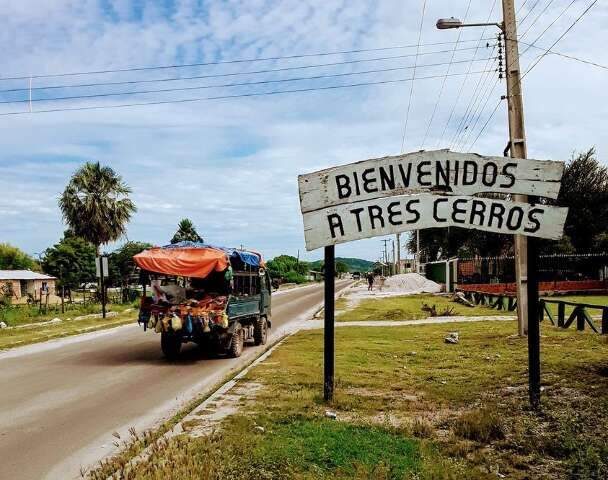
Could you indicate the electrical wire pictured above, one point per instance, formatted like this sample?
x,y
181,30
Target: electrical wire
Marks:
x,y
537,18
428,127
221,75
464,81
537,62
591,5
548,27
223,62
409,102
226,85
222,97
564,55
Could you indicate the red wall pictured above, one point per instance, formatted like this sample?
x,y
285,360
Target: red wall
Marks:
x,y
566,286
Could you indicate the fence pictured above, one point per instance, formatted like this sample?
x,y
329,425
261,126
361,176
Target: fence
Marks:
x,y
551,268
580,314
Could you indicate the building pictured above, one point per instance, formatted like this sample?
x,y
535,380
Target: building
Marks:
x,y
21,284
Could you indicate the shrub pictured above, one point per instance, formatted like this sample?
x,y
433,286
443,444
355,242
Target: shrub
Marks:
x,y
480,426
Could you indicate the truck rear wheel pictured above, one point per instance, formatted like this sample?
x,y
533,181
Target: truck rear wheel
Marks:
x,y
171,345
260,331
237,343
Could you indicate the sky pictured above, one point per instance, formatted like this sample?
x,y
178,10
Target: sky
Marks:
x,y
231,164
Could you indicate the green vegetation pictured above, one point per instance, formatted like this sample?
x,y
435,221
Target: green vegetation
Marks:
x,y
186,232
11,258
410,406
17,337
353,264
409,307
287,268
71,260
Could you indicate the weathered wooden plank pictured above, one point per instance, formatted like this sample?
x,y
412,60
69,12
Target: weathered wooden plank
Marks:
x,y
439,171
384,216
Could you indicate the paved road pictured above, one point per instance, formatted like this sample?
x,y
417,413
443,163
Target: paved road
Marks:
x,y
61,401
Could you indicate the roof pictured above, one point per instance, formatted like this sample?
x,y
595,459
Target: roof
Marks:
x,y
23,275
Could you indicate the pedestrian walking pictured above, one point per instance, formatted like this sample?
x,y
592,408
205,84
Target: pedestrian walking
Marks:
x,y
370,282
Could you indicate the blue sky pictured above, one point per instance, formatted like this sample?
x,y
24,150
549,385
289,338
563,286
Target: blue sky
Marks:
x,y
231,165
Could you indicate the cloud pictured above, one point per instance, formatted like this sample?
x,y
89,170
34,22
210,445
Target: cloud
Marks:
x,y
231,165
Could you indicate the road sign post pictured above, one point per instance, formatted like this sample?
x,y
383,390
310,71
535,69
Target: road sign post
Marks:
x,y
328,332
102,269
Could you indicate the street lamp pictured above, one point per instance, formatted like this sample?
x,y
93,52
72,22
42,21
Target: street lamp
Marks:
x,y
449,23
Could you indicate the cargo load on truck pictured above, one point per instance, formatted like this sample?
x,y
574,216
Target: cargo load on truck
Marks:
x,y
214,296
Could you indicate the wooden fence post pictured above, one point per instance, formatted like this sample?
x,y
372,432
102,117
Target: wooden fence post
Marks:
x,y
561,315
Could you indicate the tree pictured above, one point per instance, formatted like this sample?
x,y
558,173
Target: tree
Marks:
x,y
121,263
287,268
12,258
96,205
186,232
71,260
584,190
341,268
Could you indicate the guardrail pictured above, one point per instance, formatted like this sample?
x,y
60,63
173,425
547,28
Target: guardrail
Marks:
x,y
580,314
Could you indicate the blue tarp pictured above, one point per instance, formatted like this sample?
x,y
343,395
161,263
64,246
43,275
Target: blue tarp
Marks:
x,y
248,258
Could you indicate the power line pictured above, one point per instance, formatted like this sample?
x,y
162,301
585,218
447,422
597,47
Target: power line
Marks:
x,y
223,62
409,102
475,102
464,81
466,133
560,37
428,127
537,18
220,75
521,22
226,85
571,57
537,62
241,95
531,45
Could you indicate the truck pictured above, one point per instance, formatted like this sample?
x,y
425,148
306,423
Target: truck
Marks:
x,y
216,297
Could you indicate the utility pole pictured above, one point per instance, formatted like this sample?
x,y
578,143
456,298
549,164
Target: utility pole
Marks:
x,y
517,143
386,260
398,269
417,251
394,260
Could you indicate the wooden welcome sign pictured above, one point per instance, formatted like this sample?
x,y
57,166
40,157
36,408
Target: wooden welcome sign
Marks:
x,y
429,189
424,190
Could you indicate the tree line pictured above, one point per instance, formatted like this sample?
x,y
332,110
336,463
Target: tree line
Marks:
x,y
96,207
584,190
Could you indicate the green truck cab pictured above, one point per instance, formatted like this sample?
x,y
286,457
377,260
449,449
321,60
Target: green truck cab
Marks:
x,y
218,298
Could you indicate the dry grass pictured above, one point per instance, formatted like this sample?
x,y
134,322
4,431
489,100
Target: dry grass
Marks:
x,y
410,406
408,307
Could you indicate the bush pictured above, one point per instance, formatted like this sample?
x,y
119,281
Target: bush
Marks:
x,y
294,277
480,426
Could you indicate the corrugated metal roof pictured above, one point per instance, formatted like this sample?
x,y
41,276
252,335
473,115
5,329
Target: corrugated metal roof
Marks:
x,y
23,275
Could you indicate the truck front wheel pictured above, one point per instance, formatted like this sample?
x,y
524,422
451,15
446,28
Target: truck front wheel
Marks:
x,y
171,345
260,331
237,343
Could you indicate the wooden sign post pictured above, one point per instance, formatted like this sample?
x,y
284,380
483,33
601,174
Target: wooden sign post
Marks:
x,y
431,189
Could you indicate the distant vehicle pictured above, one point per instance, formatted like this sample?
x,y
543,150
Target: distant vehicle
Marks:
x,y
356,275
218,298
89,287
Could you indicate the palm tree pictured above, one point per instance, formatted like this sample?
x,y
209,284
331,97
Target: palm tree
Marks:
x,y
95,204
186,232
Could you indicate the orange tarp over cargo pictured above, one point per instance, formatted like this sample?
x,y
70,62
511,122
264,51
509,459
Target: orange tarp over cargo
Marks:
x,y
184,262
